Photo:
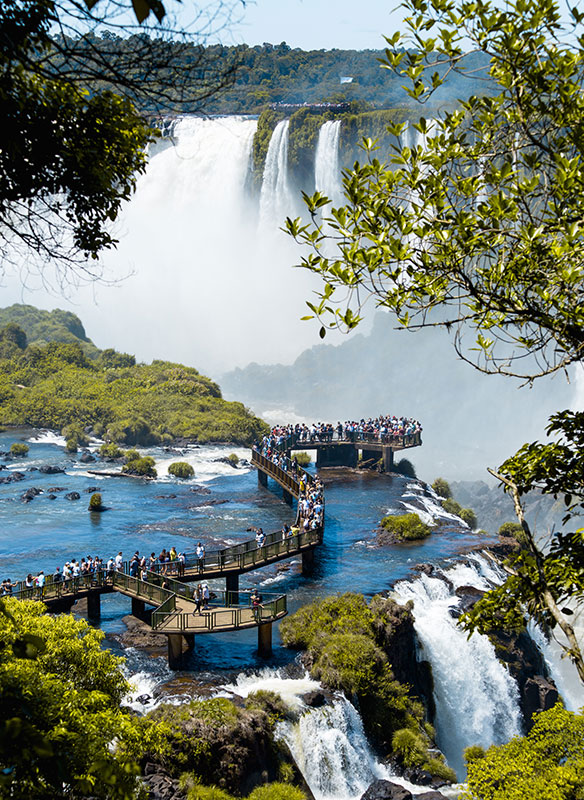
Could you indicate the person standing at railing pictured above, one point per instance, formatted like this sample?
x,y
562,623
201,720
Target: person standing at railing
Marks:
x,y
40,584
256,604
198,598
119,561
206,596
200,553
182,560
57,580
144,573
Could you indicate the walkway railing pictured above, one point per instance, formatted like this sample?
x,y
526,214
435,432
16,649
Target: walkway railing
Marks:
x,y
296,440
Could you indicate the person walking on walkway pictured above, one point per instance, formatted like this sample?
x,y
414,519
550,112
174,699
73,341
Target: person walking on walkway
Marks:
x,y
198,598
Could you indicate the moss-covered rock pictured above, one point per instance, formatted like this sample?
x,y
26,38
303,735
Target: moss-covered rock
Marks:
x,y
181,469
402,528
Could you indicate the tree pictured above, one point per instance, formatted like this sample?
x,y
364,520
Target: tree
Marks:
x,y
477,227
548,763
81,85
60,708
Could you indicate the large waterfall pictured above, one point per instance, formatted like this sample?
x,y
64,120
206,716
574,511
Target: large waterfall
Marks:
x,y
476,698
327,171
276,200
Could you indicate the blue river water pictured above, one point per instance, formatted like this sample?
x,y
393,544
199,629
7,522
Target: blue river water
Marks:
x,y
216,507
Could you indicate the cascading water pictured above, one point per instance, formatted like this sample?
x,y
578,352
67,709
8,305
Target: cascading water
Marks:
x,y
476,698
276,201
327,743
327,173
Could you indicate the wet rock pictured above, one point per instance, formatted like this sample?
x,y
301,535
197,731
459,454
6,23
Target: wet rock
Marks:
x,y
196,489
144,699
386,790
30,494
314,699
92,489
210,503
13,477
54,489
539,694
48,469
469,595
160,786
32,469
52,497
432,795
420,776
73,496
427,569
87,458
140,634
165,496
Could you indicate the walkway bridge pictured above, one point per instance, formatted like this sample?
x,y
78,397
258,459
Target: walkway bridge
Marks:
x,y
166,587
334,451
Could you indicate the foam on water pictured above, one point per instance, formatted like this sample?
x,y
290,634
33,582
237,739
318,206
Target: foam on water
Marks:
x,y
47,437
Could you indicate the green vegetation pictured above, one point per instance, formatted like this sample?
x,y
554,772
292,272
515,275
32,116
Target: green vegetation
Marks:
x,y
180,469
442,488
468,515
19,449
547,764
233,459
41,327
56,386
515,530
349,647
110,450
95,503
140,466
405,467
303,459
60,708
75,436
269,791
406,527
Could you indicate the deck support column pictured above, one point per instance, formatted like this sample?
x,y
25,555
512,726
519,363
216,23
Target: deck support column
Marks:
x,y
287,496
175,650
232,587
388,459
138,608
189,641
307,561
262,478
265,640
94,605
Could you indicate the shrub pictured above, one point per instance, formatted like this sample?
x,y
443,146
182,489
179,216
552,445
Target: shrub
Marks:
x,y
303,459
407,527
19,449
442,488
405,467
141,466
110,450
180,469
277,791
233,459
75,436
451,506
270,702
515,530
468,515
410,746
346,613
95,502
130,455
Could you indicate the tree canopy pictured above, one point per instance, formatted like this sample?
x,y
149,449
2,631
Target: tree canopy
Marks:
x,y
477,227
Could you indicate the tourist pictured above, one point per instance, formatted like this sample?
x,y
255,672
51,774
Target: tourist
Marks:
x,y
57,580
40,584
256,604
200,557
205,596
198,598
119,561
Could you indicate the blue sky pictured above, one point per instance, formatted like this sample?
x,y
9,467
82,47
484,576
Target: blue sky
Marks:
x,y
317,24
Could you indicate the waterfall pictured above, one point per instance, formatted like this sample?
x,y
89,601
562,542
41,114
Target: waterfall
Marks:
x,y
327,173
476,698
328,743
276,201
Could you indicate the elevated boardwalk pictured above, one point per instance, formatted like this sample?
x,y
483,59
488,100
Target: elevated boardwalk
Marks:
x,y
166,587
333,451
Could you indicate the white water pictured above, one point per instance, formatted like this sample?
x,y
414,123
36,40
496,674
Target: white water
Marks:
x,y
327,171
476,698
426,504
328,743
276,200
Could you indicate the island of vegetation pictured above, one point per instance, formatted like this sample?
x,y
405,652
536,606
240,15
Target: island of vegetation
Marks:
x,y
71,386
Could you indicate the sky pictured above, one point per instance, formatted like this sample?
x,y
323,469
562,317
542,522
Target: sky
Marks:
x,y
319,24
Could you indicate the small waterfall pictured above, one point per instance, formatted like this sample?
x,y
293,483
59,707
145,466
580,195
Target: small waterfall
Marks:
x,y
476,698
327,173
328,743
561,669
276,201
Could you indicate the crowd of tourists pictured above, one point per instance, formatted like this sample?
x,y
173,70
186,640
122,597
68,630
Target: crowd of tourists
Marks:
x,y
385,428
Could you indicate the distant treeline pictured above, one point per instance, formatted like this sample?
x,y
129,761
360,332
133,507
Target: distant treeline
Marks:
x,y
266,74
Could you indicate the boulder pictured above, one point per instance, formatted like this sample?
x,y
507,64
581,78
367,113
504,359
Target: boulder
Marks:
x,y
52,497
87,458
73,496
433,795
47,469
160,786
91,489
386,790
30,494
314,699
54,489
538,695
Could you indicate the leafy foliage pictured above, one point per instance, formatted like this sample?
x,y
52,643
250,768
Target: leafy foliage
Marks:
x,y
442,488
406,527
60,709
181,469
303,458
95,503
57,386
548,763
19,449
140,466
